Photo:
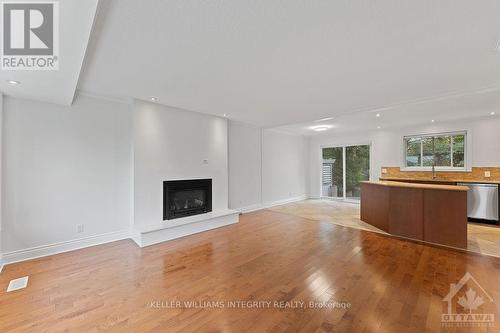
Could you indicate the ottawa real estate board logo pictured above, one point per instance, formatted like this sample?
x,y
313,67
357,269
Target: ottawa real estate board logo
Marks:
x,y
30,35
468,305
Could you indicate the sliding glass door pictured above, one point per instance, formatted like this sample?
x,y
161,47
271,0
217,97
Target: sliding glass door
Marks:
x,y
343,169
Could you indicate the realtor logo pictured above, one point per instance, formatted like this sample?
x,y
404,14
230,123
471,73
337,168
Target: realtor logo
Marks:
x,y
468,305
30,35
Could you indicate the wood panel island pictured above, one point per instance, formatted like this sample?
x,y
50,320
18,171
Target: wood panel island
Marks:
x,y
426,212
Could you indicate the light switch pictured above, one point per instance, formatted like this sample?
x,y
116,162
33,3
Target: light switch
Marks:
x,y
487,174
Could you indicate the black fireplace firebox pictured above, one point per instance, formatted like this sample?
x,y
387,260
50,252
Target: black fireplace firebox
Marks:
x,y
186,197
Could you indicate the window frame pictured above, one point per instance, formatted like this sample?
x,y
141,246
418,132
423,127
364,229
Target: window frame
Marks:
x,y
404,167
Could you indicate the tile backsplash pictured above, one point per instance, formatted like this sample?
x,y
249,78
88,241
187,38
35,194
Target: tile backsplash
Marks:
x,y
478,173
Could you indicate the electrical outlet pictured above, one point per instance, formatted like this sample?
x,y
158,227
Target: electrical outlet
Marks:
x,y
384,170
205,161
487,174
80,228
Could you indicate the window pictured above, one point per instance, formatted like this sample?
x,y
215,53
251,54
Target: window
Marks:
x,y
444,151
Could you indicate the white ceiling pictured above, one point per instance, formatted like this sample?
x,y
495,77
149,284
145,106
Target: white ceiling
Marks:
x,y
273,63
280,62
478,104
75,24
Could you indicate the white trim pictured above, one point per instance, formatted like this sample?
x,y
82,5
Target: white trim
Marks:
x,y
284,201
435,134
447,169
251,208
66,246
344,172
261,206
51,249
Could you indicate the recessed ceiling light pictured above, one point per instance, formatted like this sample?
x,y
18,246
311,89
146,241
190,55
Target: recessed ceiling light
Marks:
x,y
153,99
225,115
320,128
433,121
324,119
492,113
379,127
13,82
377,115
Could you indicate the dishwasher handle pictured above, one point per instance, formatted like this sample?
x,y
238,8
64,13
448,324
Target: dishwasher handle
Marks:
x,y
479,185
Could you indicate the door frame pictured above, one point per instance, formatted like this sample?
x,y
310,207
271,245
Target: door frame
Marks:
x,y
344,178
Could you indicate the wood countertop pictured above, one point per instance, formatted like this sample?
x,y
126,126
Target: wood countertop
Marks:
x,y
438,180
417,185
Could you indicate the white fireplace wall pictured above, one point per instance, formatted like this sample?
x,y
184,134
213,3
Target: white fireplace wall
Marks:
x,y
171,144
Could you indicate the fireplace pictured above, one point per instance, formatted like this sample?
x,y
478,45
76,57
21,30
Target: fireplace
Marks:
x,y
186,197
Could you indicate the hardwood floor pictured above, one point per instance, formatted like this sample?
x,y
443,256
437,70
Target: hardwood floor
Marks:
x,y
482,238
392,285
330,211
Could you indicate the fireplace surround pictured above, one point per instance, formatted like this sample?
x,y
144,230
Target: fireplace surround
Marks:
x,y
188,197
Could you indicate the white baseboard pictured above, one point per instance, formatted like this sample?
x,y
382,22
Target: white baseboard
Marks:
x,y
46,250
253,208
284,201
51,249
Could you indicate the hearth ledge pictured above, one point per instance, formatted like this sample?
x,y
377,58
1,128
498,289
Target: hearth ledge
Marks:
x,y
185,226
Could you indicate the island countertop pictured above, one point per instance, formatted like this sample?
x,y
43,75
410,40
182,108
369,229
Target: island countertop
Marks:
x,y
438,180
418,185
427,212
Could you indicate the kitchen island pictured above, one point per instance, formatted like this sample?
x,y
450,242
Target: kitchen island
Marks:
x,y
427,212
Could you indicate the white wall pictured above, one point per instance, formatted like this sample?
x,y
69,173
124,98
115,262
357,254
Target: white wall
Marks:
x,y
64,166
1,163
284,166
171,144
483,145
245,168
265,167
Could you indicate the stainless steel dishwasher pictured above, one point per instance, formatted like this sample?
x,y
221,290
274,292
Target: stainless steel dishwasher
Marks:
x,y
482,201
